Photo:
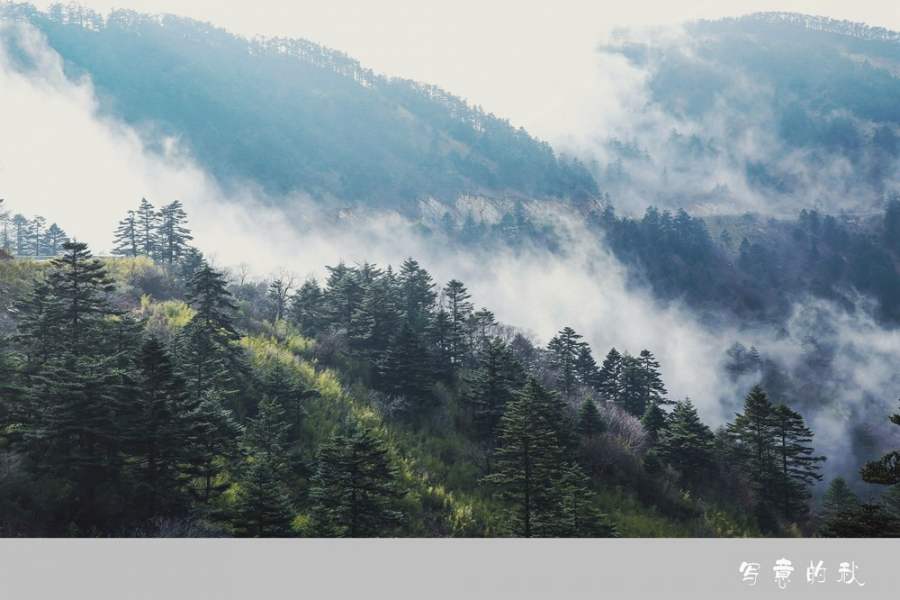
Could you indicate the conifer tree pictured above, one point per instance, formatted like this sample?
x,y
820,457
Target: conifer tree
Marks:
x,y
266,434
564,349
126,240
459,309
354,487
405,369
577,516
838,496
610,380
158,432
589,421
654,419
208,350
417,295
491,385
54,239
173,235
688,444
306,308
262,507
147,223
586,371
885,470
530,455
798,468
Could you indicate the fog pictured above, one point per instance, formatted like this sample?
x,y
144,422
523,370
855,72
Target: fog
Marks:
x,y
61,159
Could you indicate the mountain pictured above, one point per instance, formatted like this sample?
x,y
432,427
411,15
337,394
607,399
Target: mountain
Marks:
x,y
771,112
290,116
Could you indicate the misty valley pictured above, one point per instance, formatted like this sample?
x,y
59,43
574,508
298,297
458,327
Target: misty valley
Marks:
x,y
324,302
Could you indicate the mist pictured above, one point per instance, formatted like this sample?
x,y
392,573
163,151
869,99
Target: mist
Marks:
x,y
62,159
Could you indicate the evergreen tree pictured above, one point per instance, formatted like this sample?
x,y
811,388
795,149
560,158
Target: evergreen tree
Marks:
x,y
866,520
610,381
211,443
342,297
530,455
375,322
459,309
586,371
753,436
266,434
306,308
157,432
577,516
838,496
126,240
262,507
687,443
54,239
173,235
885,470
208,351
589,421
20,228
491,385
354,487
405,369
798,468
654,419
36,233
147,223
564,350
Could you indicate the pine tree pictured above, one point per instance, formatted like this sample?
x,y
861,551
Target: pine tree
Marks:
x,y
866,520
586,372
491,385
688,444
753,436
405,369
374,323
885,470
72,432
36,233
54,239
147,223
262,507
173,235
838,496
157,432
459,309
417,295
306,308
654,419
530,455
610,380
577,516
564,350
126,239
589,421
208,353
211,443
798,468
266,434
342,297
354,487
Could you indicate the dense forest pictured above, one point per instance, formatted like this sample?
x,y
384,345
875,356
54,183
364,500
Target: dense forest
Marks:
x,y
154,395
293,116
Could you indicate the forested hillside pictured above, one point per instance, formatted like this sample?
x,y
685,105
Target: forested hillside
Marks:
x,y
381,403
292,116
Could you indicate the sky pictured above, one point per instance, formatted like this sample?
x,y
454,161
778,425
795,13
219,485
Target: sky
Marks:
x,y
517,59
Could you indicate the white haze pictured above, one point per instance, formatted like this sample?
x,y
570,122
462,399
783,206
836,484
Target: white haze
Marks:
x,y
59,158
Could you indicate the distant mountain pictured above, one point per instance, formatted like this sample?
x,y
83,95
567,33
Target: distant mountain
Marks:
x,y
292,116
769,111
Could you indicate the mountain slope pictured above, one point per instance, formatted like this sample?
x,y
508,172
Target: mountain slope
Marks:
x,y
292,116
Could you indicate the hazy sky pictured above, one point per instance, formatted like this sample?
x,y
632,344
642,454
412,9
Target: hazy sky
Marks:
x,y
513,58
